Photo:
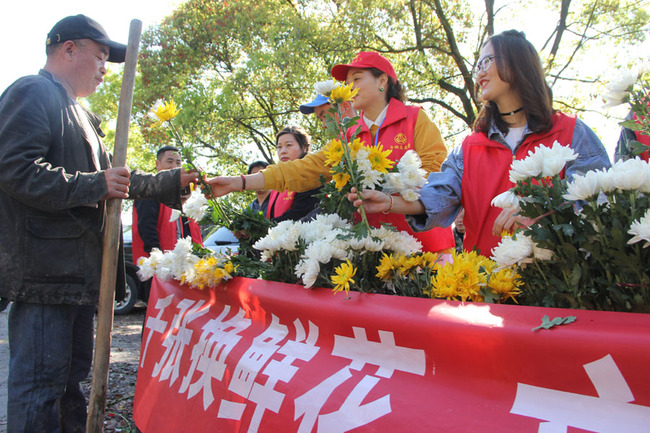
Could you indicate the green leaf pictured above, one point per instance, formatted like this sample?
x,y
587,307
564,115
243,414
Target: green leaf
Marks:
x,y
548,324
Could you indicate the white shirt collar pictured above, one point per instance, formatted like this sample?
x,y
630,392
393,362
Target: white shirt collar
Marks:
x,y
378,121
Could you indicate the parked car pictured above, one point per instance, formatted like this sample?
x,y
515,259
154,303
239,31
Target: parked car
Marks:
x,y
222,241
135,290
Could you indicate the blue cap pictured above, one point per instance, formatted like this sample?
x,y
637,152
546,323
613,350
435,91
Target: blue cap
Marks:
x,y
319,100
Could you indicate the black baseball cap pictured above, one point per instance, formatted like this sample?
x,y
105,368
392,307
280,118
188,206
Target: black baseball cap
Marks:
x,y
82,27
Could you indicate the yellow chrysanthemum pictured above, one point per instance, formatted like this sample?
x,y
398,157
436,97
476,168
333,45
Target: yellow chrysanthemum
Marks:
x,y
340,180
334,152
378,158
343,278
386,268
443,285
165,111
355,146
430,260
343,93
405,263
506,283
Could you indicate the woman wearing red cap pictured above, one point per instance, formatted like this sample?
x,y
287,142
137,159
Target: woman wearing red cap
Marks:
x,y
516,118
385,120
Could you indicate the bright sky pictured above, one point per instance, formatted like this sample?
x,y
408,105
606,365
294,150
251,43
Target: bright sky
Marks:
x,y
24,25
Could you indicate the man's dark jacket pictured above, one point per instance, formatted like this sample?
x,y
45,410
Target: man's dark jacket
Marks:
x,y
51,188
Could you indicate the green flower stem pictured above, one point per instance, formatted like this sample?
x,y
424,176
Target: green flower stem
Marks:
x,y
348,163
204,186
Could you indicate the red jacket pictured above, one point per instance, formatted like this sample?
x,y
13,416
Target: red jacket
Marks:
x,y
397,133
167,233
486,168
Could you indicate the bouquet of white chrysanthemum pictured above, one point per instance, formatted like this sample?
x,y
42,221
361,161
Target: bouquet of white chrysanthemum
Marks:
x,y
583,248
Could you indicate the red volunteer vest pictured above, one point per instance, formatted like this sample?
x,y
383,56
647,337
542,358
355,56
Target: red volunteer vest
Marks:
x,y
167,233
279,203
397,133
644,139
485,175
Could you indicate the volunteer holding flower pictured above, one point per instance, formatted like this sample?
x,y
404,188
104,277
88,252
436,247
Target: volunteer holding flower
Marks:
x,y
385,120
517,116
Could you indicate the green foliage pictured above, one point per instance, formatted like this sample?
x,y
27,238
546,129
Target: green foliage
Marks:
x,y
251,225
547,323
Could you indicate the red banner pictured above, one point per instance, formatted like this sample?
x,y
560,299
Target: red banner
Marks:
x,y
257,356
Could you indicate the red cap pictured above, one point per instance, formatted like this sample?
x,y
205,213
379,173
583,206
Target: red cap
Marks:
x,y
365,59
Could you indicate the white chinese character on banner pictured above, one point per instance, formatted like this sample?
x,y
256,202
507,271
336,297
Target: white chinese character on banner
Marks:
x,y
249,366
176,338
610,412
265,396
352,414
155,324
218,338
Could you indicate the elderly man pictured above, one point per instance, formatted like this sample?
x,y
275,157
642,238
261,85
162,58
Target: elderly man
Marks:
x,y
55,176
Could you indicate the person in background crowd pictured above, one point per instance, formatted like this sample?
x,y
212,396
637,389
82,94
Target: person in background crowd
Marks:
x,y
320,106
385,120
517,116
292,143
261,203
459,231
151,220
623,148
55,179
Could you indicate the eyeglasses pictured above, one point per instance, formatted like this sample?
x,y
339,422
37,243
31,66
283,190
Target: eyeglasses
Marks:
x,y
483,65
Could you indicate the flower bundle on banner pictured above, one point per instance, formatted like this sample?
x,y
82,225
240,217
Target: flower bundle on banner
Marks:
x,y
586,246
185,265
633,88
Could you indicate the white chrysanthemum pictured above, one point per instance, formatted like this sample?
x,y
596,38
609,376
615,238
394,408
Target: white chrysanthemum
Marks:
x,y
284,236
640,229
524,169
181,259
308,271
631,174
507,200
366,243
393,183
370,177
410,194
618,92
555,158
583,187
325,87
147,265
196,206
399,242
513,251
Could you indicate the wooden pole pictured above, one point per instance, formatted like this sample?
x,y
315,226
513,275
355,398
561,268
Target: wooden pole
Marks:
x,y
97,403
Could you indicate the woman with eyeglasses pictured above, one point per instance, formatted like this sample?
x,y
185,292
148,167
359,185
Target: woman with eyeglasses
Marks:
x,y
517,116
385,120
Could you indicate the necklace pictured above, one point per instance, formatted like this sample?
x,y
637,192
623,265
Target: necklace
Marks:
x,y
512,112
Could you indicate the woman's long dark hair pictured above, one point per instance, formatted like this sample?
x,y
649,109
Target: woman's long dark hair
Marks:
x,y
394,88
301,136
518,64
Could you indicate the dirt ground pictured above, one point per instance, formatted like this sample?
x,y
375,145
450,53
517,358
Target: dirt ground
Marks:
x,y
123,369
